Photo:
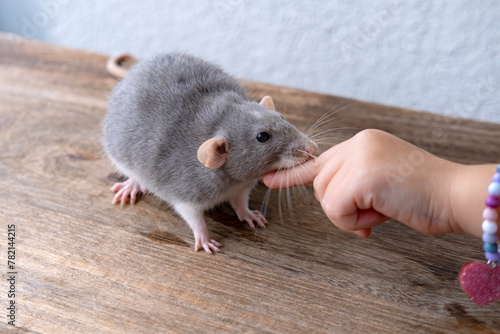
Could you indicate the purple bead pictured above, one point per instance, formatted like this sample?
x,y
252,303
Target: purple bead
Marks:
x,y
490,238
496,177
491,201
493,257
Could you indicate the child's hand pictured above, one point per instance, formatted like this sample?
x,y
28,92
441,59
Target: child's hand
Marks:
x,y
374,176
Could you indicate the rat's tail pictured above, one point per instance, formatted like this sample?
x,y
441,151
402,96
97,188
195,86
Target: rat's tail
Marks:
x,y
115,67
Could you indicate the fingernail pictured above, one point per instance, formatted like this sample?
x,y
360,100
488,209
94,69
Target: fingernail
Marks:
x,y
358,233
363,233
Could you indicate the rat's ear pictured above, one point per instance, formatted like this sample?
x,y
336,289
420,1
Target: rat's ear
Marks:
x,y
267,102
213,153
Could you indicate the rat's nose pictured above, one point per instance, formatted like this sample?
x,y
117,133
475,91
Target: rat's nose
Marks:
x,y
312,147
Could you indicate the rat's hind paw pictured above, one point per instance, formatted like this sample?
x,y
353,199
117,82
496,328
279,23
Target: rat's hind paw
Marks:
x,y
126,189
208,245
252,216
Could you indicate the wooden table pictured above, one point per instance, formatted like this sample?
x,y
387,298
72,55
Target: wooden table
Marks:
x,y
83,265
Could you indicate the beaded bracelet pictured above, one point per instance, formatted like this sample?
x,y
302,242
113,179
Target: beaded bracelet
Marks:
x,y
479,280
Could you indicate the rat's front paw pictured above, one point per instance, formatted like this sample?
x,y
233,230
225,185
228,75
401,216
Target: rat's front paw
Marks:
x,y
208,244
252,216
126,189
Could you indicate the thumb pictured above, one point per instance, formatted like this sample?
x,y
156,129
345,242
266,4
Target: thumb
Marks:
x,y
295,176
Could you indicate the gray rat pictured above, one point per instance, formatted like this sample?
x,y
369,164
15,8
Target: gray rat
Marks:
x,y
182,129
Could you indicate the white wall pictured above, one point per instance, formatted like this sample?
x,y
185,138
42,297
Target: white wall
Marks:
x,y
439,56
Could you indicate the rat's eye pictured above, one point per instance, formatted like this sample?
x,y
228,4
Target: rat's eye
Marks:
x,y
263,137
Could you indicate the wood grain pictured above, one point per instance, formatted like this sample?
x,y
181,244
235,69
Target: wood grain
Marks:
x,y
86,266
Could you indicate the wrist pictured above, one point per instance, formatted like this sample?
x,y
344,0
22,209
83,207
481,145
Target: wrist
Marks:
x,y
467,196
443,176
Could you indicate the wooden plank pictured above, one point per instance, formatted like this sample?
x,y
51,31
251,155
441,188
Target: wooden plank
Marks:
x,y
85,265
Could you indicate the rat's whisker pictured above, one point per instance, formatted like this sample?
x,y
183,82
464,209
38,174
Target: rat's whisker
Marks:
x,y
265,202
332,130
330,112
279,194
329,142
327,117
307,123
298,176
306,153
323,122
289,198
326,139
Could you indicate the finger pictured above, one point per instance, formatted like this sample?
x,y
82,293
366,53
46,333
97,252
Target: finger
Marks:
x,y
370,218
326,179
348,205
304,173
295,176
359,222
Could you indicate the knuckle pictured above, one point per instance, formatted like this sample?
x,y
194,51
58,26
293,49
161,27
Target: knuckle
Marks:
x,y
368,135
330,211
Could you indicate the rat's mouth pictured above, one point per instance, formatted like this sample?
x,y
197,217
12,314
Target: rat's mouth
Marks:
x,y
289,163
301,158
297,157
305,159
305,155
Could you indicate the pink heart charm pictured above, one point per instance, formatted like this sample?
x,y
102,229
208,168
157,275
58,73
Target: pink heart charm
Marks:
x,y
481,283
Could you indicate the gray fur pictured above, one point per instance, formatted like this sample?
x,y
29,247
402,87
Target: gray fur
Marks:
x,y
167,106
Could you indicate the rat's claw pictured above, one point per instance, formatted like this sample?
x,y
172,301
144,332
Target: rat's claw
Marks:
x,y
119,196
126,189
250,222
117,186
215,243
115,199
133,197
253,216
259,218
208,245
125,195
